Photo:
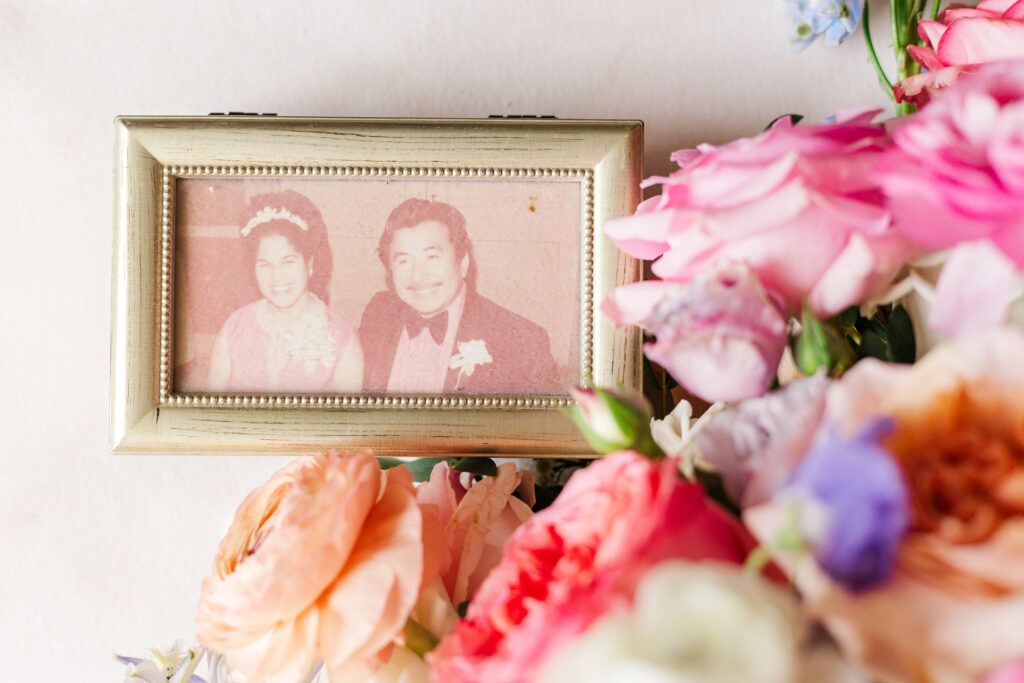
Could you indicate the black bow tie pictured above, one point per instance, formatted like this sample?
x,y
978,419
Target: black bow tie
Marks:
x,y
438,324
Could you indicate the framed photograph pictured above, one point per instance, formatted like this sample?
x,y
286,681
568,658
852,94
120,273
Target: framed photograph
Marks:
x,y
286,285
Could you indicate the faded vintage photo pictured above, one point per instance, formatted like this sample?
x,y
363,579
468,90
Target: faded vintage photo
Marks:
x,y
378,286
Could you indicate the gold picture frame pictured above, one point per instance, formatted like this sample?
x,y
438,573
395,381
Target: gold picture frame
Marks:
x,y
164,162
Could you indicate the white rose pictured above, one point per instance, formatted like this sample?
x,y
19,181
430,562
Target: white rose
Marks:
x,y
699,623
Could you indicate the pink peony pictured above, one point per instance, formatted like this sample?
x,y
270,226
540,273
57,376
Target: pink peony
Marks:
x,y
956,173
324,561
961,40
477,521
577,559
1008,674
954,607
798,205
719,335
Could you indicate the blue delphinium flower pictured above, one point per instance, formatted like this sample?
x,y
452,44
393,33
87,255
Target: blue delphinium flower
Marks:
x,y
859,491
836,19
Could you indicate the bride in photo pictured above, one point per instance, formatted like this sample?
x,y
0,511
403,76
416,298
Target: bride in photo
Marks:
x,y
290,340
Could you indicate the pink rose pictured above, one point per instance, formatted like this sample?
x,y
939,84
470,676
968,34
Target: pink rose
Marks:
x,y
324,561
477,521
956,173
954,606
961,40
719,335
585,554
798,205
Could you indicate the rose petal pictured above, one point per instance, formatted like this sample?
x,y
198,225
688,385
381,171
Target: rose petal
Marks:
x,y
977,40
973,291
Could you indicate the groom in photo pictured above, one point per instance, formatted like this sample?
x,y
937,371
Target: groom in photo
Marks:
x,y
430,332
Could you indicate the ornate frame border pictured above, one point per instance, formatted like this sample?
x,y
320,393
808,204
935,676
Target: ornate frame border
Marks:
x,y
148,417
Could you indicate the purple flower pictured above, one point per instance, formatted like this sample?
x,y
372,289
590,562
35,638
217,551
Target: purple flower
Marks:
x,y
860,489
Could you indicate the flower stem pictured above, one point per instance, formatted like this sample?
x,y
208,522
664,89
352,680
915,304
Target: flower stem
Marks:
x,y
757,560
883,80
418,639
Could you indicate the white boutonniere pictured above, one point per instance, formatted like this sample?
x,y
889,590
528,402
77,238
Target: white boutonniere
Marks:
x,y
471,354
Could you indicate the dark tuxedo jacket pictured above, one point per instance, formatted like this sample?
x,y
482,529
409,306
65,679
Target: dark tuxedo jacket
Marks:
x,y
520,350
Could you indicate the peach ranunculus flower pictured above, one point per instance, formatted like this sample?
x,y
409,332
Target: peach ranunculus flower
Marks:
x,y
324,561
477,521
954,606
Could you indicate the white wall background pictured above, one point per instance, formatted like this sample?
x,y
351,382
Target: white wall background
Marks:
x,y
99,552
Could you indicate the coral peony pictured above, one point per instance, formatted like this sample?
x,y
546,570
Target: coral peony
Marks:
x,y
324,561
798,205
953,608
719,335
477,521
578,558
961,40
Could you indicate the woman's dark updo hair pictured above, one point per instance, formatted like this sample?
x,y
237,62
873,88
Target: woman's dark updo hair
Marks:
x,y
311,242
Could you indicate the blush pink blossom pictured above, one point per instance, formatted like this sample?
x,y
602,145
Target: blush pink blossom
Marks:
x,y
575,560
719,335
961,40
477,521
798,205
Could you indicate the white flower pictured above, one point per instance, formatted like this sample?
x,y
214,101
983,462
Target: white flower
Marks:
x,y
676,433
698,623
173,666
471,354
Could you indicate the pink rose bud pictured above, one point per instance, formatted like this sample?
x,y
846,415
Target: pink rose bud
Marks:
x,y
614,421
719,335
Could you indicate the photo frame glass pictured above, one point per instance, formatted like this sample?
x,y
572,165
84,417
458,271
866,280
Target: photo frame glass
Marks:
x,y
344,284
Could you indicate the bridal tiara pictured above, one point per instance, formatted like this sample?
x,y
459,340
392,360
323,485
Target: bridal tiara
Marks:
x,y
268,213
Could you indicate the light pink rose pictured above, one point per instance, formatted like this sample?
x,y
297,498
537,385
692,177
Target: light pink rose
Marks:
x,y
958,43
798,205
954,606
477,521
582,556
956,173
324,561
719,335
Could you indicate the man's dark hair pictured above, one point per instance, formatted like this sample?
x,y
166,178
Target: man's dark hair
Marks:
x,y
411,213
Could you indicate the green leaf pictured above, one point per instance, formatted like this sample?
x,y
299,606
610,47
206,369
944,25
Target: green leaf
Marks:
x,y
848,318
422,467
793,118
545,496
388,463
482,466
812,346
872,346
902,346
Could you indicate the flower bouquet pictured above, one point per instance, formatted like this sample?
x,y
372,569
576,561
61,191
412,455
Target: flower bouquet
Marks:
x,y
850,506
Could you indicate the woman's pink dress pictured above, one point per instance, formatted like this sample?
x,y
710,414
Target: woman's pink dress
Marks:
x,y
301,360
